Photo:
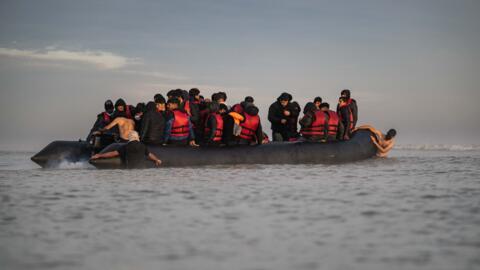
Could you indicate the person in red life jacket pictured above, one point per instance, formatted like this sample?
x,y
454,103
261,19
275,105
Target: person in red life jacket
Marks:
x,y
346,117
123,110
213,125
283,114
352,104
313,124
239,107
317,101
104,118
251,133
178,129
334,127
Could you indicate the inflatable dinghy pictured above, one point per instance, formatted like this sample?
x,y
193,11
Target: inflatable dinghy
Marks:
x,y
359,147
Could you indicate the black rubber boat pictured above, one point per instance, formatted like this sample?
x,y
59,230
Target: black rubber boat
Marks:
x,y
359,147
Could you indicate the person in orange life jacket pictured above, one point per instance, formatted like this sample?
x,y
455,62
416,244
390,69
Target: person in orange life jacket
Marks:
x,y
239,107
123,110
251,133
335,129
138,118
352,104
104,118
313,123
317,101
213,125
346,117
178,129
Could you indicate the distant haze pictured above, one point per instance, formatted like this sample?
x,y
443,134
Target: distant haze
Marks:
x,y
411,65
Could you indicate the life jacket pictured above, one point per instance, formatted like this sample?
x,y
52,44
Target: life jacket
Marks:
x,y
186,107
106,118
180,127
249,127
333,121
219,130
237,108
318,126
350,115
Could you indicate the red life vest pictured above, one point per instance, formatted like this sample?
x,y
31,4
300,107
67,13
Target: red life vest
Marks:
x,y
186,107
333,123
249,127
106,118
237,108
219,130
180,126
350,115
318,126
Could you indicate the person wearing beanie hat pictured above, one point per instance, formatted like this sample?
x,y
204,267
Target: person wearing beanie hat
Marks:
x,y
104,118
283,115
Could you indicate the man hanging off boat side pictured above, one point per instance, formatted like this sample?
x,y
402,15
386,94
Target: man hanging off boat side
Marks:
x,y
383,142
132,154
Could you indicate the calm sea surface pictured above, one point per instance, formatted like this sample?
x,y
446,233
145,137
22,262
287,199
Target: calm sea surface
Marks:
x,y
418,209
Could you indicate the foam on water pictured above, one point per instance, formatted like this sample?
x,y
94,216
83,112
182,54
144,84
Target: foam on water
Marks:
x,y
438,147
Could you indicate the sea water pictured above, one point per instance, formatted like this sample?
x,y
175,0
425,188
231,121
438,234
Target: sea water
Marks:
x,y
417,209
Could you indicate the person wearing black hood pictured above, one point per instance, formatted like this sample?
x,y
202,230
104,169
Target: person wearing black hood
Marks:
x,y
213,133
153,125
122,109
283,114
138,118
251,133
104,118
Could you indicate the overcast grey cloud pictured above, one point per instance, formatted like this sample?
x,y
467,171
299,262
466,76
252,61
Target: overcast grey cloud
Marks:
x,y
412,65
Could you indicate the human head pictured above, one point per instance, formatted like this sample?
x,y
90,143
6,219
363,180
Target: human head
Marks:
x,y
317,101
173,104
171,94
151,106
390,134
108,106
194,93
140,108
324,106
133,136
249,99
213,107
222,109
309,107
251,109
222,97
284,99
345,93
120,105
159,102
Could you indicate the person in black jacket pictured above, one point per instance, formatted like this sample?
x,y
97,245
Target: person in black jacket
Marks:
x,y
104,118
153,125
352,105
283,114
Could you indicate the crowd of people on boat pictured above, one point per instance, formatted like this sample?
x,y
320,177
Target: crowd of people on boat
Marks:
x,y
187,118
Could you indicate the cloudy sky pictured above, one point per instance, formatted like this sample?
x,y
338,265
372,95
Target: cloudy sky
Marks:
x,y
411,65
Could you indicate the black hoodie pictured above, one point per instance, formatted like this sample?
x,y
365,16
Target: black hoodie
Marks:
x,y
153,125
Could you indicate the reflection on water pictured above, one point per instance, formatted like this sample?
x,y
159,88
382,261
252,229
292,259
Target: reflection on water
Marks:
x,y
416,210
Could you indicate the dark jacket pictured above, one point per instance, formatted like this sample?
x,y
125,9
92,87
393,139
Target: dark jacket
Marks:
x,y
275,116
354,108
153,125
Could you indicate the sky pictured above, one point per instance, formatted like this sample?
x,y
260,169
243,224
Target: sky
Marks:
x,y
411,65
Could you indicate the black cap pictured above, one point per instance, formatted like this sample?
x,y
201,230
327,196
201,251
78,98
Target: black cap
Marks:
x,y
108,105
249,99
285,96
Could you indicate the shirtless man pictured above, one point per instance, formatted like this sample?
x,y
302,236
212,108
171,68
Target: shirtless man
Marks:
x,y
384,143
125,125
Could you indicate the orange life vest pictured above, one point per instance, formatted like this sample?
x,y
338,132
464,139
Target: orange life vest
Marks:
x,y
180,126
333,123
318,126
249,127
